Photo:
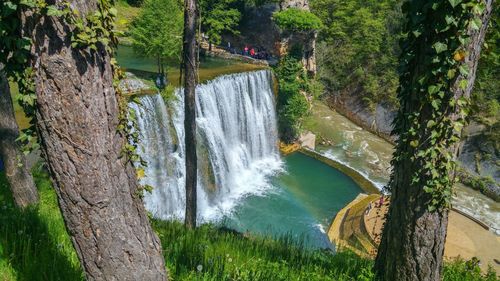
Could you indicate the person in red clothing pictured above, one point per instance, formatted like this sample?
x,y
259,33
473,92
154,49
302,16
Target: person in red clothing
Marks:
x,y
252,52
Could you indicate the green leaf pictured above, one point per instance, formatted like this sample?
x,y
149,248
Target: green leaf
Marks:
x,y
451,73
113,11
464,69
53,11
461,101
458,126
433,89
435,103
454,3
463,84
450,19
414,143
440,47
29,3
476,23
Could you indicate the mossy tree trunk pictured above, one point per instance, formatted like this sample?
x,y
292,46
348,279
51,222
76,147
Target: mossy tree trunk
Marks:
x,y
78,115
413,238
190,65
20,180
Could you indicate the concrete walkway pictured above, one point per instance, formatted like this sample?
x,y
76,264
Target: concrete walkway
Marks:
x,y
466,238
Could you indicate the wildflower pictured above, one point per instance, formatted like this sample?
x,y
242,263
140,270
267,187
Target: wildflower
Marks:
x,y
230,260
199,268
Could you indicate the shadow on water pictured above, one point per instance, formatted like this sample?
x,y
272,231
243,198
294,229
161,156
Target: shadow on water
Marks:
x,y
35,246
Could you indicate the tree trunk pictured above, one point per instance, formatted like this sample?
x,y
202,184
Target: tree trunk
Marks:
x,y
20,180
190,72
413,238
78,116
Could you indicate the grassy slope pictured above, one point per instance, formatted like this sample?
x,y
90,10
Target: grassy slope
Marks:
x,y
126,14
35,246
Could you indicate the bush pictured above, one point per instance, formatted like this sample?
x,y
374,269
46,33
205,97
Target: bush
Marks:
x,y
294,19
358,48
292,103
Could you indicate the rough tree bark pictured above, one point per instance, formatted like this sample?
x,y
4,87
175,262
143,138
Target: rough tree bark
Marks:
x,y
78,115
20,180
190,79
413,238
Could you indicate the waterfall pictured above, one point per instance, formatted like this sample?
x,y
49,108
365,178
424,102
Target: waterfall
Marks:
x,y
237,145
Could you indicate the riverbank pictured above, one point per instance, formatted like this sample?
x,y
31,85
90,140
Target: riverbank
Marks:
x,y
340,139
360,230
223,54
479,152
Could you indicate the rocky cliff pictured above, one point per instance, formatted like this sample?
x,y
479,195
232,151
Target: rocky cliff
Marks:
x,y
258,30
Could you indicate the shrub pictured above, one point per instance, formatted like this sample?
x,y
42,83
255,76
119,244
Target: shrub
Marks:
x,y
292,104
297,20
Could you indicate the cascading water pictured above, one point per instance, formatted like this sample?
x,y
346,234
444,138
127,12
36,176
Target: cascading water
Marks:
x,y
237,136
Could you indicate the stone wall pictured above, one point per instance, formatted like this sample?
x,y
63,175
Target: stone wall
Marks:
x,y
479,157
258,30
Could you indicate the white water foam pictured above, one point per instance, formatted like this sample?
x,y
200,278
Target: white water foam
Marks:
x,y
237,127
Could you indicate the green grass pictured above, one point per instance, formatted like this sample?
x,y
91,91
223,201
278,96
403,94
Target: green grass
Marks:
x,y
34,245
125,16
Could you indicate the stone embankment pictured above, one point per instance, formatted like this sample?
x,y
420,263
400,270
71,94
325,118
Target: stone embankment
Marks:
x,y
479,158
221,53
359,227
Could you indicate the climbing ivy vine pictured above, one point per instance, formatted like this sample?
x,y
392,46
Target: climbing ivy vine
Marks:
x,y
87,32
433,77
15,48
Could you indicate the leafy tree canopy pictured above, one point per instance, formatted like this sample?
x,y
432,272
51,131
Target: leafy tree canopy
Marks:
x,y
157,31
358,47
292,103
219,16
294,19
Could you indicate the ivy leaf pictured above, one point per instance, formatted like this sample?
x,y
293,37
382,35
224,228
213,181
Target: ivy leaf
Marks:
x,y
440,47
53,11
428,189
454,3
478,8
463,84
464,69
414,143
141,173
431,123
433,89
458,127
461,101
435,103
113,11
476,23
450,19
